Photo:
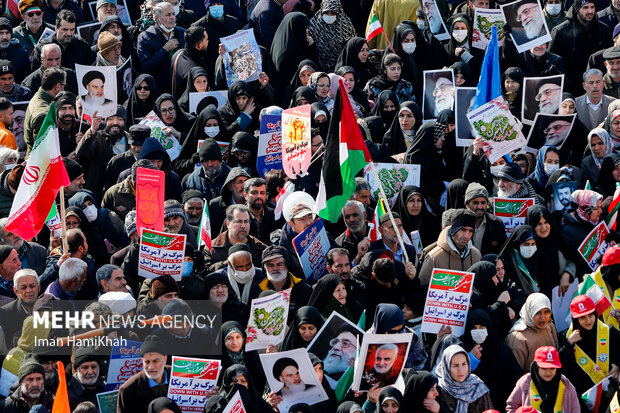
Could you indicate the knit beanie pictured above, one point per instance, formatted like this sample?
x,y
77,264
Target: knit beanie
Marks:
x,y
210,151
152,344
28,366
24,5
130,223
5,251
82,355
106,42
163,284
73,168
464,218
174,210
475,190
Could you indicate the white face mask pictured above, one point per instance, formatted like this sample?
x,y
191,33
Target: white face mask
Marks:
x,y
120,36
329,19
421,24
459,35
212,131
10,166
165,29
409,47
177,9
495,169
551,168
553,9
528,251
479,335
90,212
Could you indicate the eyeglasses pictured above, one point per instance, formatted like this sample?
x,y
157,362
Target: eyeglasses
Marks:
x,y
34,13
168,111
527,12
345,344
143,88
444,87
547,93
555,128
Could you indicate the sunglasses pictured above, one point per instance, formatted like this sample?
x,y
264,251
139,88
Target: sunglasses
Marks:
x,y
143,88
34,13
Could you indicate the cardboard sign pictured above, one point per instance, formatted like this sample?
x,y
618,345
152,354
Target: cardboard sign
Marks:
x,y
511,211
267,324
393,177
296,152
494,123
150,197
191,379
371,367
484,20
311,247
594,246
161,253
242,59
107,401
169,142
125,361
196,97
447,301
269,144
235,405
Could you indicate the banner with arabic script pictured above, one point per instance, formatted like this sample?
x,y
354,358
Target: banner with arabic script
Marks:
x,y
267,323
594,246
125,361
161,253
191,379
311,247
447,301
512,211
269,144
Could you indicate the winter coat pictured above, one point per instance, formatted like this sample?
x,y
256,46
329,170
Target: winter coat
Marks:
x,y
76,52
26,38
265,19
520,395
154,59
209,188
216,258
120,198
19,58
524,343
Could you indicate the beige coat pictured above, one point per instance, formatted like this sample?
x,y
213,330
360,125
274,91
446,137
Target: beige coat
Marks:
x,y
525,342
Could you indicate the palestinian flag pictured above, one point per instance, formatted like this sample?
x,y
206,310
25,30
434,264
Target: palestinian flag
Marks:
x,y
374,233
374,28
43,176
612,216
345,155
590,288
204,232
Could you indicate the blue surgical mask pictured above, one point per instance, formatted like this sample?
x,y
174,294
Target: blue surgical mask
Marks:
x,y
187,268
217,11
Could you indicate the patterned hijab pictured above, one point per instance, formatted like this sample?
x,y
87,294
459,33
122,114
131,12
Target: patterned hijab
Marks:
x,y
586,201
330,38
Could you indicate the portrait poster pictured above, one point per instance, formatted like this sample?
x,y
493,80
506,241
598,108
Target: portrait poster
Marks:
x,y
594,245
242,59
125,361
549,130
527,23
463,102
381,359
447,301
541,95
336,345
269,155
290,374
121,11
296,151
19,116
311,247
511,211
435,22
438,92
235,405
484,20
124,78
393,177
161,253
218,97
97,89
89,32
107,401
494,123
267,323
168,141
191,379
562,192
150,197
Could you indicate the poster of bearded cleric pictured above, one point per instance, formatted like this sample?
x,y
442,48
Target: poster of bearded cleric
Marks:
x,y
381,359
541,95
97,89
549,130
336,344
528,27
438,92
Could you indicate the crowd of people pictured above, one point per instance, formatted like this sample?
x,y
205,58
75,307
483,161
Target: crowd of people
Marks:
x,y
511,357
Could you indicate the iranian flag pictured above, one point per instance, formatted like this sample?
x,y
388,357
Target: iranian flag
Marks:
x,y
592,397
374,233
43,177
345,155
612,217
374,28
204,233
590,288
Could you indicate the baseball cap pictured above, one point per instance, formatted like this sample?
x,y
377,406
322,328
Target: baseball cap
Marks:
x,y
547,357
581,305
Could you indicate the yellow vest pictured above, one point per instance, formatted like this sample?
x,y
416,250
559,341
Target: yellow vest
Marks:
x,y
612,296
536,400
599,370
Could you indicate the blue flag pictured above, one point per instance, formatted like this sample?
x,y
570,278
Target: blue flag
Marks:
x,y
490,84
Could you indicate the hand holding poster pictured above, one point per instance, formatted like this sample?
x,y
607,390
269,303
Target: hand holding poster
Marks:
x,y
161,253
267,324
150,197
447,301
527,23
594,246
494,123
511,211
484,20
125,361
191,382
159,132
393,176
97,89
235,405
269,154
242,59
562,194
381,359
296,152
311,247
438,92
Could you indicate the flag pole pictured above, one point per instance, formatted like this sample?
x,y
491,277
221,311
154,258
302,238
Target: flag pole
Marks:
x,y
388,210
388,40
65,246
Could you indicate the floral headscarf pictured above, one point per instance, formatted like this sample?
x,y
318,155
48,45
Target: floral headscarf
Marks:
x,y
586,201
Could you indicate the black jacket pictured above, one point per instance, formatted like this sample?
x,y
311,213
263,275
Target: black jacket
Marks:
x,y
19,58
33,80
78,393
135,394
494,235
15,404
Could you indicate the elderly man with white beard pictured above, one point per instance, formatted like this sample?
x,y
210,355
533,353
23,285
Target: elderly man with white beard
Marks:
x,y
241,272
30,391
85,382
512,184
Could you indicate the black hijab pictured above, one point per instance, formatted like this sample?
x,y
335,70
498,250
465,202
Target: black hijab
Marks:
x,y
230,111
465,71
349,407
426,222
194,72
290,46
228,357
510,251
548,390
391,393
296,81
245,142
183,121
547,248
136,109
417,386
302,92
356,93
323,126
162,403
485,292
412,63
305,315
423,152
378,110
349,57
216,404
394,139
606,181
455,194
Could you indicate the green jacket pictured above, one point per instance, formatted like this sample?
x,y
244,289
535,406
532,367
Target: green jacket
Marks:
x,y
35,114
